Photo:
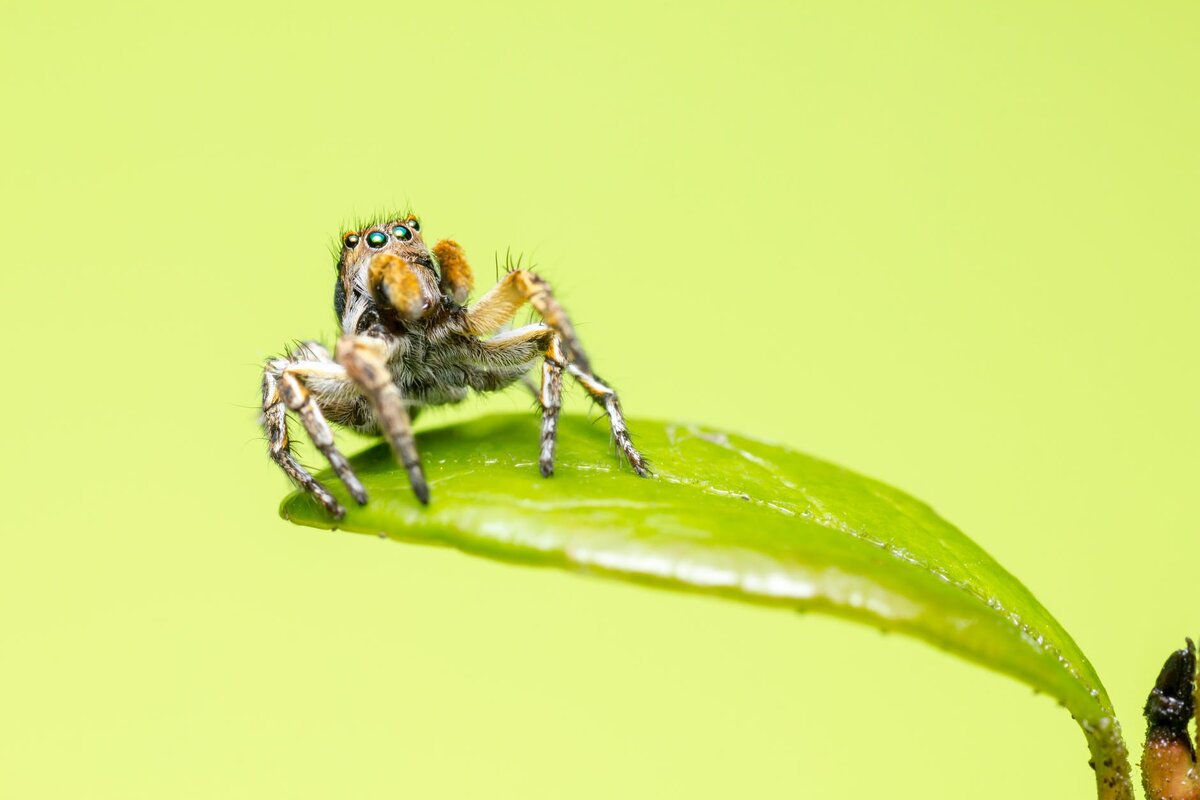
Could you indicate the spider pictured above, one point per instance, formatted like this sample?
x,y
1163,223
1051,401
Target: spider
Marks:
x,y
408,340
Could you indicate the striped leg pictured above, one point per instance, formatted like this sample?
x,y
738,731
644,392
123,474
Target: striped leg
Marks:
x,y
365,361
279,445
516,347
518,350
606,397
515,290
550,398
298,398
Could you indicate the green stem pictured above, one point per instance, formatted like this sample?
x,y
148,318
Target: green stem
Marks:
x,y
1110,757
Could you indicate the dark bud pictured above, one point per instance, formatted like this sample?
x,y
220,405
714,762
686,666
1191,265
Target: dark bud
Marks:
x,y
1172,703
1168,757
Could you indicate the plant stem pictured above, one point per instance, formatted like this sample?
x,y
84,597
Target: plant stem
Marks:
x,y
1110,757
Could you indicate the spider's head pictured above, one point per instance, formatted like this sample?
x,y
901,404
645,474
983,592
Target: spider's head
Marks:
x,y
400,237
385,265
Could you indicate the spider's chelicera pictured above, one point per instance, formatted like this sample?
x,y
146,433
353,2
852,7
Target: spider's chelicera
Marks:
x,y
409,340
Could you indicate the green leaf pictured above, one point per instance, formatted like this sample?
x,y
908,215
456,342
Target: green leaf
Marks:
x,y
734,517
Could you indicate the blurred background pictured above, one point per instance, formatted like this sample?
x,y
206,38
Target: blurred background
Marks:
x,y
952,246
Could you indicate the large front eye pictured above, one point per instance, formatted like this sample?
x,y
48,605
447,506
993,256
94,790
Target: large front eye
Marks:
x,y
350,240
402,233
376,239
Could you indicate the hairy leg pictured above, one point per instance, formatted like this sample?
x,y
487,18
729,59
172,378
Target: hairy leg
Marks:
x,y
515,347
550,398
296,395
515,290
365,360
274,422
606,397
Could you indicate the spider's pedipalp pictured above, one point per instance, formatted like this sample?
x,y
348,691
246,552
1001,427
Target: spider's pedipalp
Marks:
x,y
408,289
457,280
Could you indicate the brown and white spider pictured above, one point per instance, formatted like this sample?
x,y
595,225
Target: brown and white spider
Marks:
x,y
407,341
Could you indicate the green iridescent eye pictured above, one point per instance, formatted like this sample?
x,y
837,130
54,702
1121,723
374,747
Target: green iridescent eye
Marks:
x,y
350,239
402,233
376,239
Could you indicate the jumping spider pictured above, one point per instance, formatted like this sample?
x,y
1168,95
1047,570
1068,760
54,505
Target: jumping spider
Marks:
x,y
409,340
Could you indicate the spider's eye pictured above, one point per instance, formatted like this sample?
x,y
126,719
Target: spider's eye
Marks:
x,y
402,233
412,223
350,239
376,239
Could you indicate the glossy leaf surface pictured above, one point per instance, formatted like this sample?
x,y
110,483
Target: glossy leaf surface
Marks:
x,y
735,517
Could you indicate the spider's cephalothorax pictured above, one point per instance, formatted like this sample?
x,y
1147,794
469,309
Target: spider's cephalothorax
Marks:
x,y
409,340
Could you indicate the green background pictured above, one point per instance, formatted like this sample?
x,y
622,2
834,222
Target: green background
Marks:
x,y
951,245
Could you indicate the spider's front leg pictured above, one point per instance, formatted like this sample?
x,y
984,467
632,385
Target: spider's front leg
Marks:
x,y
365,360
285,386
514,290
500,304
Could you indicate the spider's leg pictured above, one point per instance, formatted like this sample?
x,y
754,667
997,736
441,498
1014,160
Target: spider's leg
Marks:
x,y
606,397
517,350
550,398
515,290
279,445
365,361
517,346
298,397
